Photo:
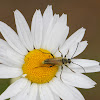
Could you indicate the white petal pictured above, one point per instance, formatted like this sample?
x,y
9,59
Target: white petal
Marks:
x,y
75,38
77,80
57,36
63,19
76,49
47,16
48,31
12,38
8,56
56,97
64,91
36,29
9,62
45,92
75,91
23,30
9,72
14,89
33,94
76,63
82,46
23,95
90,69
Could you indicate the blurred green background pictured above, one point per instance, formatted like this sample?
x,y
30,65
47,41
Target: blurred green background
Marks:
x,y
81,13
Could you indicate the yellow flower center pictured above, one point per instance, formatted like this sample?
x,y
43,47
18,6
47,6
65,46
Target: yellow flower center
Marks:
x,y
35,70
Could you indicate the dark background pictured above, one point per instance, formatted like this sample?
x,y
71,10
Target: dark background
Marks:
x,y
81,13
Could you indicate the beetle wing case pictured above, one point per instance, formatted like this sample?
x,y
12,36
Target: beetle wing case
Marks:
x,y
53,61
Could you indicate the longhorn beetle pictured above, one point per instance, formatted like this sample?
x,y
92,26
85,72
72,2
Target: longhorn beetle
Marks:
x,y
60,61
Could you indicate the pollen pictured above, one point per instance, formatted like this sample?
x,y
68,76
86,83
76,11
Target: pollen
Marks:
x,y
35,70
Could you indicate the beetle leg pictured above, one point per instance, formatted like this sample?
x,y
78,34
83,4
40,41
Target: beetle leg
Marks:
x,y
70,68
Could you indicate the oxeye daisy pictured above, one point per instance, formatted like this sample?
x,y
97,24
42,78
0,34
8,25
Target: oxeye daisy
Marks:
x,y
25,54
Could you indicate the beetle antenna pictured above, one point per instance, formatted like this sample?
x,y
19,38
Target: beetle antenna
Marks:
x,y
75,50
69,68
60,52
79,65
67,53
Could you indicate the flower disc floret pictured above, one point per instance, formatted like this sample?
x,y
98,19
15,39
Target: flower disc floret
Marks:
x,y
35,70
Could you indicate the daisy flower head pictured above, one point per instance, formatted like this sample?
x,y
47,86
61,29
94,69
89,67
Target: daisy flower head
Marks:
x,y
44,59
